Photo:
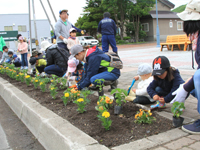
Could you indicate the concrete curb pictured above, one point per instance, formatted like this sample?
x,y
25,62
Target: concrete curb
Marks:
x,y
54,132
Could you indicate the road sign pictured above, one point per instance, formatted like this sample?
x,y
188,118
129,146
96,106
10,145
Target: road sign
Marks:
x,y
9,35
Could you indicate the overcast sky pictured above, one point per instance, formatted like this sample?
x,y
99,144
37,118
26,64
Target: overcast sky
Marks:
x,y
75,7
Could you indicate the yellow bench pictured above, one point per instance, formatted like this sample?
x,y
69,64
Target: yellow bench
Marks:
x,y
176,40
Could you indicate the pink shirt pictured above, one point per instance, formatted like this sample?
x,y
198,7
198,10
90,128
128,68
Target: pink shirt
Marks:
x,y
72,42
24,47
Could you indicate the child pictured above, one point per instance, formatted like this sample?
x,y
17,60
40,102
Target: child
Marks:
x,y
14,59
23,49
140,94
72,40
75,68
39,60
5,55
166,80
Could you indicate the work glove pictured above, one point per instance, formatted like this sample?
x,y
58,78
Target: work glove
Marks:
x,y
73,86
65,40
180,93
83,31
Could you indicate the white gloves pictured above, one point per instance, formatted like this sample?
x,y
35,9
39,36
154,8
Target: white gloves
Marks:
x,y
181,95
65,40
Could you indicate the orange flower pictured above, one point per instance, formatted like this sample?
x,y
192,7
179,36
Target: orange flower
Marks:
x,y
136,116
107,101
102,99
141,113
111,101
101,107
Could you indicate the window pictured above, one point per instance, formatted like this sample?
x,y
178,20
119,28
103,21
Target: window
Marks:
x,y
171,24
145,27
22,28
180,25
8,28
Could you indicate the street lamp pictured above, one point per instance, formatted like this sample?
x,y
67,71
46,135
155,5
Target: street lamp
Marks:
x,y
157,28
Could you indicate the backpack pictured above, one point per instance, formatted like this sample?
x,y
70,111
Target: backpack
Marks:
x,y
115,61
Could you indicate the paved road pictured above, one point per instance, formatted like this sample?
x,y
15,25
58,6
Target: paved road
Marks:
x,y
13,133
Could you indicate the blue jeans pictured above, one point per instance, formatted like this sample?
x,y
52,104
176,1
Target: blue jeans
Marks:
x,y
24,60
109,39
55,69
196,91
160,91
63,45
104,75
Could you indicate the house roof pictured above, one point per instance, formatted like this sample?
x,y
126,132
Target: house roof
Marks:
x,y
164,14
168,3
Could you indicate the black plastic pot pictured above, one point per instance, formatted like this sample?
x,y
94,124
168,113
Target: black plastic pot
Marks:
x,y
118,110
177,122
101,93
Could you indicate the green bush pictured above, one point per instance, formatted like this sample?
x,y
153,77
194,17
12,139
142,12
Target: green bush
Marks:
x,y
142,34
127,38
121,42
117,37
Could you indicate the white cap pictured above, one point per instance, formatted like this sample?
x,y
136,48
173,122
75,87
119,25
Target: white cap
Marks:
x,y
144,69
45,45
72,29
191,12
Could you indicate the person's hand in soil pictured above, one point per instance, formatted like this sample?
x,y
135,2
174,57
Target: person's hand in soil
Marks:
x,y
156,97
162,100
134,90
136,78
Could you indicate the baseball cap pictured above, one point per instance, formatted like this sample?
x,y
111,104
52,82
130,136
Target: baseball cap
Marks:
x,y
72,63
72,29
32,60
34,53
191,12
63,10
76,49
14,56
160,64
144,69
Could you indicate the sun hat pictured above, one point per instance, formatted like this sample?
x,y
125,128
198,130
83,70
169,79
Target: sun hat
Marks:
x,y
160,64
45,45
144,69
191,12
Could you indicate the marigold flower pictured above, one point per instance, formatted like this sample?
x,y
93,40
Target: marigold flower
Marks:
x,y
149,112
66,94
80,100
27,76
111,101
106,114
107,101
36,80
52,88
102,99
136,116
51,80
141,113
141,110
101,107
41,83
107,98
97,103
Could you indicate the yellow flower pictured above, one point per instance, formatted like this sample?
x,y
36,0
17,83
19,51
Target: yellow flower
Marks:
x,y
51,80
41,83
52,88
149,112
80,100
36,80
136,116
27,76
66,94
105,114
97,103
17,75
141,110
141,113
111,101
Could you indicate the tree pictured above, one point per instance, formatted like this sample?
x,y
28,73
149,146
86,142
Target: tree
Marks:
x,y
118,9
179,9
137,10
93,14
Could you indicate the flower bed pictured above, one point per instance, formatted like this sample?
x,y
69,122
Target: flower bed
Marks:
x,y
122,130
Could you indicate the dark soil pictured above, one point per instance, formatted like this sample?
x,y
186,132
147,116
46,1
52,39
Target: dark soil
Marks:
x,y
123,129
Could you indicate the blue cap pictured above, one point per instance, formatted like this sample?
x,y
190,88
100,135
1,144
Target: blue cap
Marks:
x,y
62,10
14,56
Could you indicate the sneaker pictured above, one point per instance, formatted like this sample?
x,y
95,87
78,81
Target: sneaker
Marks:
x,y
192,128
26,68
22,68
158,105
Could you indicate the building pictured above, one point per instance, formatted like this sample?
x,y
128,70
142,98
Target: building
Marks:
x,y
20,23
169,22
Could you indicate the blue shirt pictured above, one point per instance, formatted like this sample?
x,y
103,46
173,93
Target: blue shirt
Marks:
x,y
107,26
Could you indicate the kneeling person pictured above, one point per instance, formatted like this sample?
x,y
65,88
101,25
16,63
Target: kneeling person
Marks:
x,y
96,65
14,59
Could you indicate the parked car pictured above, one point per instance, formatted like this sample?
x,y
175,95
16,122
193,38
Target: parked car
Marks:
x,y
88,40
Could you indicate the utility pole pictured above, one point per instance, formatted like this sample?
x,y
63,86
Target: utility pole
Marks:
x,y
36,38
157,28
52,11
30,38
47,15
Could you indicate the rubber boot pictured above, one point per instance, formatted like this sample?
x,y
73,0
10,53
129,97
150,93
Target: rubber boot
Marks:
x,y
113,85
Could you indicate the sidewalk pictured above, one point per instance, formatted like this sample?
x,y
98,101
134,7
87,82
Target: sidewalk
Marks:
x,y
133,56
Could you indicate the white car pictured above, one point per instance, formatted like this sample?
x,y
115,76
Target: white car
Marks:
x,y
88,40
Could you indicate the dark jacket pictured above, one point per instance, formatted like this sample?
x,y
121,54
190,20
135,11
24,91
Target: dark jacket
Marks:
x,y
96,62
189,86
107,26
167,86
58,56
